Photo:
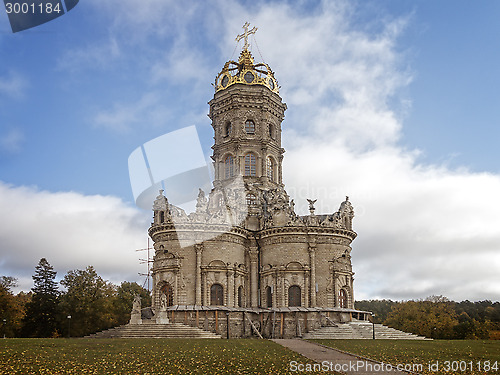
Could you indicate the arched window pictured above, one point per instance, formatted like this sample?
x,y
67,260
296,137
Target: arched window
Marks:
x,y
229,167
240,296
250,127
271,131
270,168
250,165
342,298
294,296
162,217
227,130
216,295
169,293
269,296
251,199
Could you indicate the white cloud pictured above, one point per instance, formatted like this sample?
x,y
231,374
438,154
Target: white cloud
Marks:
x,y
423,229
96,55
72,231
146,111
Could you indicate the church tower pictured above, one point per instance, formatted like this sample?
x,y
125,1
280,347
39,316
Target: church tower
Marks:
x,y
246,114
245,247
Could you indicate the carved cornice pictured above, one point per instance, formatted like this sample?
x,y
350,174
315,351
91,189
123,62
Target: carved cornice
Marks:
x,y
321,232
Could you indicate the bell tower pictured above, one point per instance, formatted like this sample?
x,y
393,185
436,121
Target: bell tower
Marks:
x,y
246,114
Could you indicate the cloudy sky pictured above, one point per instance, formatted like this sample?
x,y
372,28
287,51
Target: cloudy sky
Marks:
x,y
392,103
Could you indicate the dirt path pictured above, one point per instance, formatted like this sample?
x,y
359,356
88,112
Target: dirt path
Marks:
x,y
336,360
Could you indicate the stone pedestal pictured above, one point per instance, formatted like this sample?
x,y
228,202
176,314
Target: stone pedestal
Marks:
x,y
135,318
162,318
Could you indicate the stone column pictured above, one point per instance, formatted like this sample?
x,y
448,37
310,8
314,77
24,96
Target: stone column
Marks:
x,y
312,262
230,287
235,288
198,249
307,276
241,165
253,254
176,286
280,172
204,294
275,289
263,162
282,278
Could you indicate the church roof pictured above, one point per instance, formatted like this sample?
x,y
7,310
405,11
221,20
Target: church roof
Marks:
x,y
245,71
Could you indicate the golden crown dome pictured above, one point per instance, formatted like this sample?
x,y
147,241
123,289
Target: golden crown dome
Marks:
x,y
245,71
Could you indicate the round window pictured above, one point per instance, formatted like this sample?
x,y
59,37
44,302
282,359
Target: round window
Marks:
x,y
249,77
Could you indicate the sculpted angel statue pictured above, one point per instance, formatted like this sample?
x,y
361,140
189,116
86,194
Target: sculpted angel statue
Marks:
x,y
311,204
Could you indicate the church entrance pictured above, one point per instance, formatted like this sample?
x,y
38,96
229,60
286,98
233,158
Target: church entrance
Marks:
x,y
216,295
294,296
169,293
342,298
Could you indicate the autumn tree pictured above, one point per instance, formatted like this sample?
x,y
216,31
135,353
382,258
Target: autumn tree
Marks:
x,y
434,317
381,308
41,316
8,309
89,301
124,298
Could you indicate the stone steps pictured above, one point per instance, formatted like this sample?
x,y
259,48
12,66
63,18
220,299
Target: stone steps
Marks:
x,y
356,330
153,330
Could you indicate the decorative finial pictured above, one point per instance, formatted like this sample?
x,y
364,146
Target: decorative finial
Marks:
x,y
161,191
346,198
311,206
245,35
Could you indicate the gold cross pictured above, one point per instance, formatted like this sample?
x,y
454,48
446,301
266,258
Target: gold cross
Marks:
x,y
246,34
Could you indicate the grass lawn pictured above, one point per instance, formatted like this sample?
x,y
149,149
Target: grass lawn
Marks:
x,y
472,355
144,356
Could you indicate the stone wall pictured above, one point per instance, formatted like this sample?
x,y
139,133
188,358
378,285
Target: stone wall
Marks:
x,y
270,324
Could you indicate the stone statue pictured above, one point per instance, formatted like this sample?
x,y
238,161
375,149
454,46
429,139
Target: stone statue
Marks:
x,y
311,206
136,305
161,317
163,302
201,201
135,315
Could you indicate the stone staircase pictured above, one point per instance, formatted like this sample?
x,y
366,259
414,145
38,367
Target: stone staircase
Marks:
x,y
360,330
153,330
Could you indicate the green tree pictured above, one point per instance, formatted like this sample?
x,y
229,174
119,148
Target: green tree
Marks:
x,y
41,318
89,301
381,308
434,317
124,298
8,306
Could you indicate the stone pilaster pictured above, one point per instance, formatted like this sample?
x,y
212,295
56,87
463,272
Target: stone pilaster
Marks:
x,y
199,250
253,253
230,287
312,263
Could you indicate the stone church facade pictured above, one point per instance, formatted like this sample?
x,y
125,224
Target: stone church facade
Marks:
x,y
245,248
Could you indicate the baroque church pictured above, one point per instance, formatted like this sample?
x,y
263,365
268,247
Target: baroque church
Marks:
x,y
245,249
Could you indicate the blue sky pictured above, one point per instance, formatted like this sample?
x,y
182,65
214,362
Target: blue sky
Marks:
x,y
397,100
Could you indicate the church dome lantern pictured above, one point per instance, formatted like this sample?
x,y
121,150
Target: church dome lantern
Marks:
x,y
245,71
